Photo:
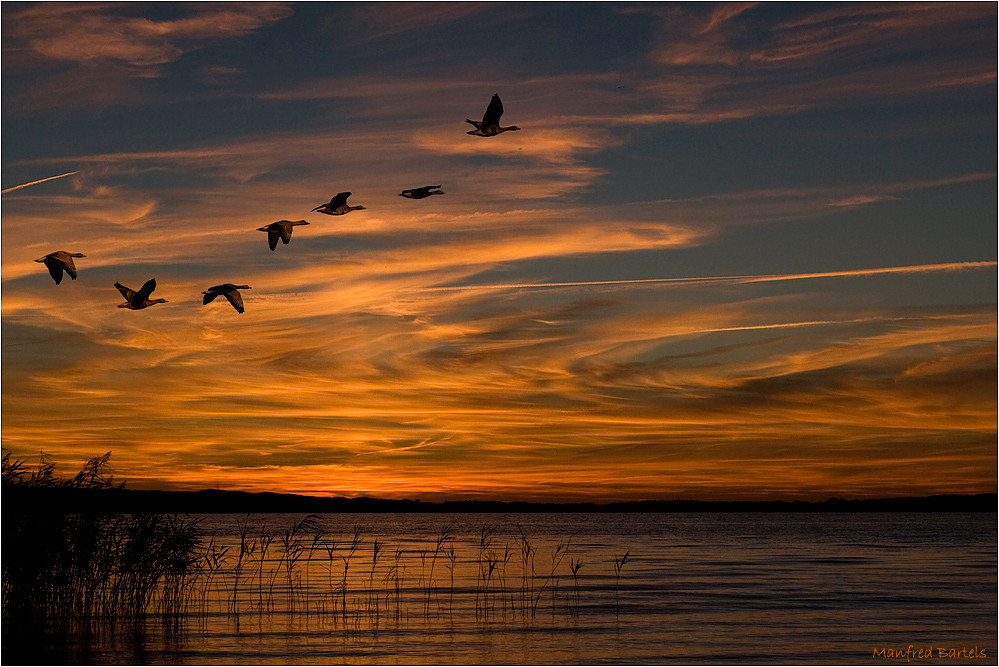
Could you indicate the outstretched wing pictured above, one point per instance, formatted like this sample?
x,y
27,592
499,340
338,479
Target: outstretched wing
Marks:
x,y
125,292
340,199
145,290
55,269
236,299
493,113
69,267
273,234
285,232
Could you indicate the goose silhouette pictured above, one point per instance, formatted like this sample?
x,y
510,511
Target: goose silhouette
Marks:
x,y
229,291
421,193
59,261
337,205
138,300
489,126
280,230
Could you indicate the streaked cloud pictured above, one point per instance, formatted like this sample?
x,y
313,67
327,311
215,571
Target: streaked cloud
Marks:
x,y
92,55
86,33
733,62
886,26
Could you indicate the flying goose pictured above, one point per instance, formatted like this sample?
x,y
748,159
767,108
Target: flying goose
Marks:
x,y
280,230
421,193
57,262
490,127
138,300
229,291
338,205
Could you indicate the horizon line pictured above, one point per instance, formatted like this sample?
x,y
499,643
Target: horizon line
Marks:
x,y
833,497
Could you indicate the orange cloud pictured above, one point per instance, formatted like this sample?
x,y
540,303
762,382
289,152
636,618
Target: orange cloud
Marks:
x,y
428,399
87,32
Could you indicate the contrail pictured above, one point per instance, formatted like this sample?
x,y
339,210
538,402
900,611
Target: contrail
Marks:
x,y
50,178
917,268
794,325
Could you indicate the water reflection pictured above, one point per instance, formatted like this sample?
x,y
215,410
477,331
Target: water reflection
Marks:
x,y
531,589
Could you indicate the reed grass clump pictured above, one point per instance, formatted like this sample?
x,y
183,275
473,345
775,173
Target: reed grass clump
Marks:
x,y
62,566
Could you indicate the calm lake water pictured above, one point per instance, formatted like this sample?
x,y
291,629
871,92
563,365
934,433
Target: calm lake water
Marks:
x,y
817,588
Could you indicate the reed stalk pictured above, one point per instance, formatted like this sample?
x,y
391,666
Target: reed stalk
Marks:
x,y
376,548
619,563
264,544
443,538
293,548
330,550
481,582
395,577
317,539
450,565
558,554
210,565
527,553
247,547
575,565
504,561
354,545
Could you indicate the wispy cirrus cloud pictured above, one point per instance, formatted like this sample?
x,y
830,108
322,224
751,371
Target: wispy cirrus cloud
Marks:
x,y
624,391
734,61
719,36
88,33
92,55
890,27
378,22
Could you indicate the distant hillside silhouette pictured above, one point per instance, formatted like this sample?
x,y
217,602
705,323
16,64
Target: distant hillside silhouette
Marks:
x,y
121,500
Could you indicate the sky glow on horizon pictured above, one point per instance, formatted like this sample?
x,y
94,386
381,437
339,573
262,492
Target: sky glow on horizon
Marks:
x,y
736,251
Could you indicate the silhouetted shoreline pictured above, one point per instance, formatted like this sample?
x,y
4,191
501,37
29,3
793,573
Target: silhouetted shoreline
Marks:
x,y
212,501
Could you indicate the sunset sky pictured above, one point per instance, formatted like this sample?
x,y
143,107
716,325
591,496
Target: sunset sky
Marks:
x,y
736,251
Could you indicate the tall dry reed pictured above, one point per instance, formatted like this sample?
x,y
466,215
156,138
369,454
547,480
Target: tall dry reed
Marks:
x,y
61,566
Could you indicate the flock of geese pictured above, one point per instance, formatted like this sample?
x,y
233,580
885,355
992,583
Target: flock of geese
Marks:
x,y
61,262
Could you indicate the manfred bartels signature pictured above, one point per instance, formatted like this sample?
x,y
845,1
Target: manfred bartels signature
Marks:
x,y
913,652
